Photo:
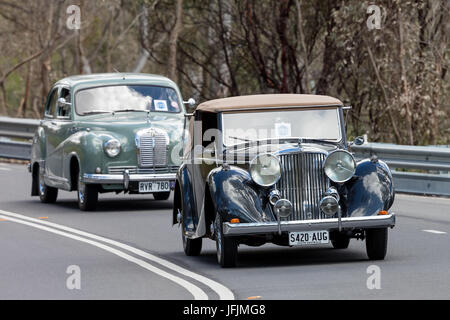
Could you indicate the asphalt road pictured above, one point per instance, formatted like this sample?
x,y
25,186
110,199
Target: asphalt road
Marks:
x,y
127,249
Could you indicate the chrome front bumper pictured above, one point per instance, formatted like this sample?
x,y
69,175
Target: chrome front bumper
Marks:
x,y
381,221
126,178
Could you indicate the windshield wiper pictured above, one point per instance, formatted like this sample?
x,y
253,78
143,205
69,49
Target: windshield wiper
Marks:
x,y
94,112
242,139
130,110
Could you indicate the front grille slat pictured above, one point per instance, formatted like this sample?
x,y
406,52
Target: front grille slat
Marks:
x,y
304,183
153,150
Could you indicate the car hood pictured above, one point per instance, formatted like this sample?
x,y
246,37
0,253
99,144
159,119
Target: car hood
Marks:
x,y
129,123
124,127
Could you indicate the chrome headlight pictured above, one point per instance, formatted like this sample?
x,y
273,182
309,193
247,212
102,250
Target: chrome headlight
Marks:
x,y
340,166
265,169
112,147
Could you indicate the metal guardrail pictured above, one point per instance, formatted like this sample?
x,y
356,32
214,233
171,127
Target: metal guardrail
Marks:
x,y
15,150
18,128
434,160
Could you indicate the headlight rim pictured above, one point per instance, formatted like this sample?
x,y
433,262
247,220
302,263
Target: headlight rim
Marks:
x,y
106,150
279,166
325,165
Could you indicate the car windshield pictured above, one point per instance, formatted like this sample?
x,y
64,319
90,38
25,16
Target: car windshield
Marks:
x,y
126,98
320,124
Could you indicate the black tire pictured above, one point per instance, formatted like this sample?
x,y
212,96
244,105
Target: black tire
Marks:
x,y
376,243
191,247
46,194
226,246
340,241
161,195
87,196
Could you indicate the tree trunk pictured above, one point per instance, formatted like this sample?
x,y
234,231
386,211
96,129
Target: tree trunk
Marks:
x,y
21,111
405,99
304,49
143,34
173,40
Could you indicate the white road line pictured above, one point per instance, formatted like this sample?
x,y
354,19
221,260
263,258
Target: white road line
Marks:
x,y
223,292
5,169
435,231
198,293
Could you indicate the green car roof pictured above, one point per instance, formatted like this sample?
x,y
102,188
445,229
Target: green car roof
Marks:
x,y
115,78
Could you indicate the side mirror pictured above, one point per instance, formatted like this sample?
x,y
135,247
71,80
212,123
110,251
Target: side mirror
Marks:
x,y
63,102
359,141
63,110
190,105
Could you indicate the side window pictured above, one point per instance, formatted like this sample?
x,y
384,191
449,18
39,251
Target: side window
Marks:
x,y
209,129
51,103
188,137
63,110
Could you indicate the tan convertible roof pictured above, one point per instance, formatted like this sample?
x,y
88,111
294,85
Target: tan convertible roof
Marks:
x,y
263,101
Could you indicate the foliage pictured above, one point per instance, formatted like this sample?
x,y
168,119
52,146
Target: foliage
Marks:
x,y
395,77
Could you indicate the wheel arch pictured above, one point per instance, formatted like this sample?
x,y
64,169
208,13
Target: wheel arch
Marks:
x,y
74,169
35,179
177,202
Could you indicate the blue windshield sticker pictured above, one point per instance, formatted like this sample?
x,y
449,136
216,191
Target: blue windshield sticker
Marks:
x,y
283,129
160,105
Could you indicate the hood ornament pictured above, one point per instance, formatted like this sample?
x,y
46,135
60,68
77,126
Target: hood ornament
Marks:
x,y
300,142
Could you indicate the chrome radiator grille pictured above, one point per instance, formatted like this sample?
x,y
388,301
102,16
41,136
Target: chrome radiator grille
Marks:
x,y
303,182
153,150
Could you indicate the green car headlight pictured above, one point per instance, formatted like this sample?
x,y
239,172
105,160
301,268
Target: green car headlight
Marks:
x,y
340,166
112,147
265,169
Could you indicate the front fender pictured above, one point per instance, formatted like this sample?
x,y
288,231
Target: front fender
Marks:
x,y
38,148
371,190
235,195
184,200
88,147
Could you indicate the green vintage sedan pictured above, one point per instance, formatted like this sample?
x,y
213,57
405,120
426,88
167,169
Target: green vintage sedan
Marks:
x,y
108,133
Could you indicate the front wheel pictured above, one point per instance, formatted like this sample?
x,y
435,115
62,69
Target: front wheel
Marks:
x,y
87,196
191,247
161,195
226,246
376,243
46,194
340,241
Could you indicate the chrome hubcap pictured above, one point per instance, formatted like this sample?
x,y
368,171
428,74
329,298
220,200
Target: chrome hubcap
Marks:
x,y
41,186
218,240
81,189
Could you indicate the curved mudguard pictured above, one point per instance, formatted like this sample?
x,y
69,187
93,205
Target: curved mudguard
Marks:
x,y
370,190
185,192
235,195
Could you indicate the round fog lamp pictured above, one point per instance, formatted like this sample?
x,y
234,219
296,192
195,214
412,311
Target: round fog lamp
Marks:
x,y
329,205
283,208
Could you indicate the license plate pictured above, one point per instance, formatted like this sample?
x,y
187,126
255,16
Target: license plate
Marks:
x,y
154,186
308,237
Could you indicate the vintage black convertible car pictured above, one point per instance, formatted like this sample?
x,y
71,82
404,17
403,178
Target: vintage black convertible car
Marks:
x,y
275,168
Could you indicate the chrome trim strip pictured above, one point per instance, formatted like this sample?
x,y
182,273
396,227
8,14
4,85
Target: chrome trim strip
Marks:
x,y
119,178
234,229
